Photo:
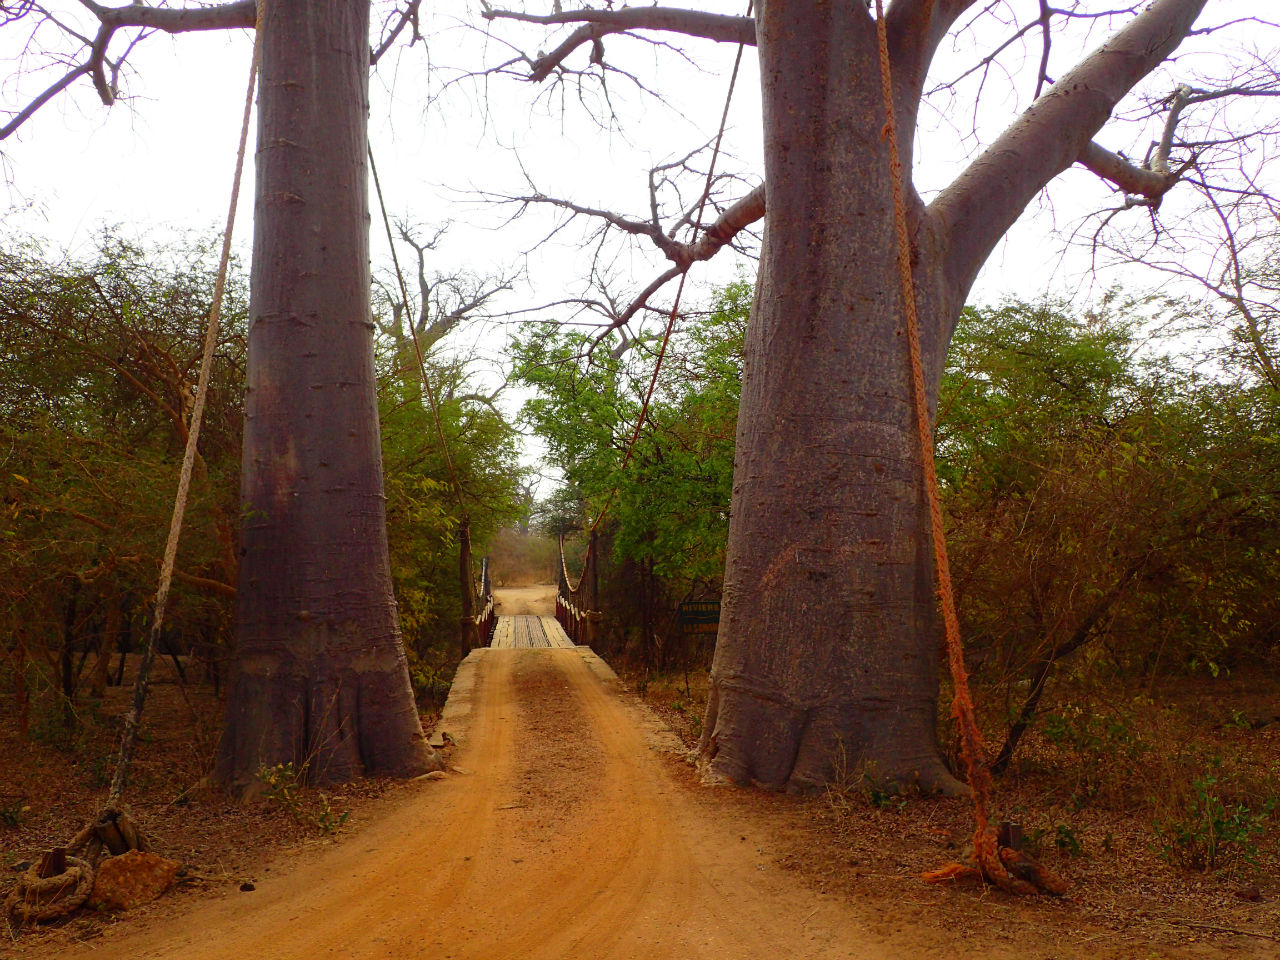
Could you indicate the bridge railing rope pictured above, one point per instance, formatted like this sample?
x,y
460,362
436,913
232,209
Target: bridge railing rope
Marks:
x,y
478,625
485,619
577,603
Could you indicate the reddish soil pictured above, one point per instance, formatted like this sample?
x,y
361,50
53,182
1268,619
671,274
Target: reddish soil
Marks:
x,y
572,826
1127,899
538,600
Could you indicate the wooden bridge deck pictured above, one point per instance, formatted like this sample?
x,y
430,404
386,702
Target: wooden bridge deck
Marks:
x,y
513,632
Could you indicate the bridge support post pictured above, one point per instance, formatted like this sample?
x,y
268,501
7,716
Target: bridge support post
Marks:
x,y
591,621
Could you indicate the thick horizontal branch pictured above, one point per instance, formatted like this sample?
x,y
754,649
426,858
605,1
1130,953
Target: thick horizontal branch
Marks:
x,y
1129,177
205,583
110,19
740,215
226,16
597,24
635,227
733,221
693,23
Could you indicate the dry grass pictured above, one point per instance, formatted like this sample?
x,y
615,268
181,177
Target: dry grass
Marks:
x,y
1117,794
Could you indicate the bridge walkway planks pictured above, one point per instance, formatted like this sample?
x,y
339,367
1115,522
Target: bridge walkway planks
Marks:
x,y
512,633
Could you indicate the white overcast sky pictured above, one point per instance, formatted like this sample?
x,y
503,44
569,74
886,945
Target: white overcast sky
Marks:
x,y
161,161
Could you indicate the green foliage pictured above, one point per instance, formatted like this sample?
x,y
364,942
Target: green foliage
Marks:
x,y
1082,731
1108,510
326,819
672,503
668,504
280,785
1107,507
98,360
1210,833
1065,839
100,768
13,813
430,681
424,514
99,356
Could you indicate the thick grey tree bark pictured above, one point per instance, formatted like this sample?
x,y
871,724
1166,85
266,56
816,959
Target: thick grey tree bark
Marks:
x,y
828,651
321,677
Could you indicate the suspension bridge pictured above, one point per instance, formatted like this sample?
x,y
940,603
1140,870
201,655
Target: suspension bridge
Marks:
x,y
575,623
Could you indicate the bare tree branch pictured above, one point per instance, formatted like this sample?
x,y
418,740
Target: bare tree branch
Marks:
x,y
407,17
29,110
598,24
985,200
1129,177
101,68
444,300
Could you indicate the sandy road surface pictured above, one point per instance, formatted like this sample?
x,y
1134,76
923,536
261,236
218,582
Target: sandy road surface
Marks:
x,y
538,600
569,836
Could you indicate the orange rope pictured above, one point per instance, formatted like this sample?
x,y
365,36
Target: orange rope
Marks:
x,y
985,846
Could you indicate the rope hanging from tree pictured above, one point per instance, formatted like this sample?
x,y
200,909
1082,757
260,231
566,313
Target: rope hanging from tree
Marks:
x,y
132,720
470,622
1006,868
413,336
671,321
46,892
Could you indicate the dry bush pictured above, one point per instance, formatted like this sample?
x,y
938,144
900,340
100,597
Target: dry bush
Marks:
x,y
522,559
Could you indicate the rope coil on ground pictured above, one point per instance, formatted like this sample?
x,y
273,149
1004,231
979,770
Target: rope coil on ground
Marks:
x,y
1006,868
37,899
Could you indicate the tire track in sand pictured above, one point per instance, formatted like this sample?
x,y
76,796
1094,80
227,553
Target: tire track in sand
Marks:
x,y
570,839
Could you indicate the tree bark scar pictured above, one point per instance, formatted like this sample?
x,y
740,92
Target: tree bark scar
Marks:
x,y
282,199
784,560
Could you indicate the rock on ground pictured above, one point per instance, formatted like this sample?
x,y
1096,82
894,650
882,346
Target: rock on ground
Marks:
x,y
132,879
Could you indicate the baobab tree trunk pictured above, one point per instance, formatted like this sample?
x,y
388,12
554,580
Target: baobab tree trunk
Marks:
x,y
827,655
321,677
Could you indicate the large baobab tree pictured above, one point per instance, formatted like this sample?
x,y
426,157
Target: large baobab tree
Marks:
x,y
828,643
321,677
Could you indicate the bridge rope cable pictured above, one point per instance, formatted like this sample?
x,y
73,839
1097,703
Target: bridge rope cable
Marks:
x,y
413,336
464,518
993,861
695,224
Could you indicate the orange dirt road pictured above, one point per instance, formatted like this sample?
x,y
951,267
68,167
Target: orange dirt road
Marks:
x,y
566,832
538,600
